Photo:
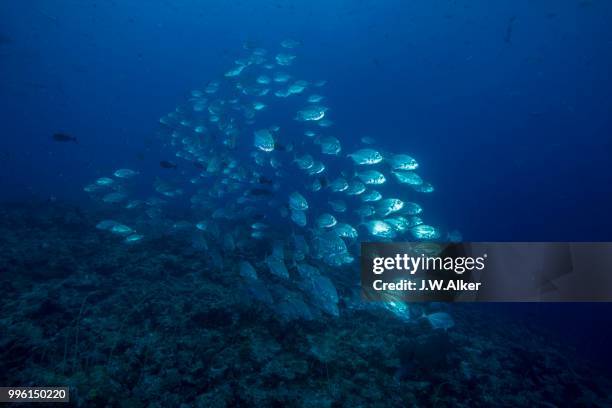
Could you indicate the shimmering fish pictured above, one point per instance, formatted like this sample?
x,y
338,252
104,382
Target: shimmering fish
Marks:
x,y
314,112
315,98
234,72
264,140
105,181
338,185
355,188
371,177
125,173
297,87
304,162
299,217
346,231
326,220
408,177
425,232
330,145
284,59
92,188
398,223
388,206
423,188
366,157
297,202
281,77
317,168
133,238
371,196
106,224
121,229
263,80
403,162
258,105
380,229
337,205
315,185
411,209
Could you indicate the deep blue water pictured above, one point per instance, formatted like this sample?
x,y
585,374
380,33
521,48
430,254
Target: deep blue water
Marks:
x,y
506,104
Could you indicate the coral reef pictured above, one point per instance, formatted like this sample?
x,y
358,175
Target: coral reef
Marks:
x,y
156,324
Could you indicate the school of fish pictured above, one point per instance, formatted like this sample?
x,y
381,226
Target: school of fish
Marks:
x,y
271,189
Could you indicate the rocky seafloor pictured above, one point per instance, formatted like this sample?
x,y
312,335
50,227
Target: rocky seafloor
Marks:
x,y
155,325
